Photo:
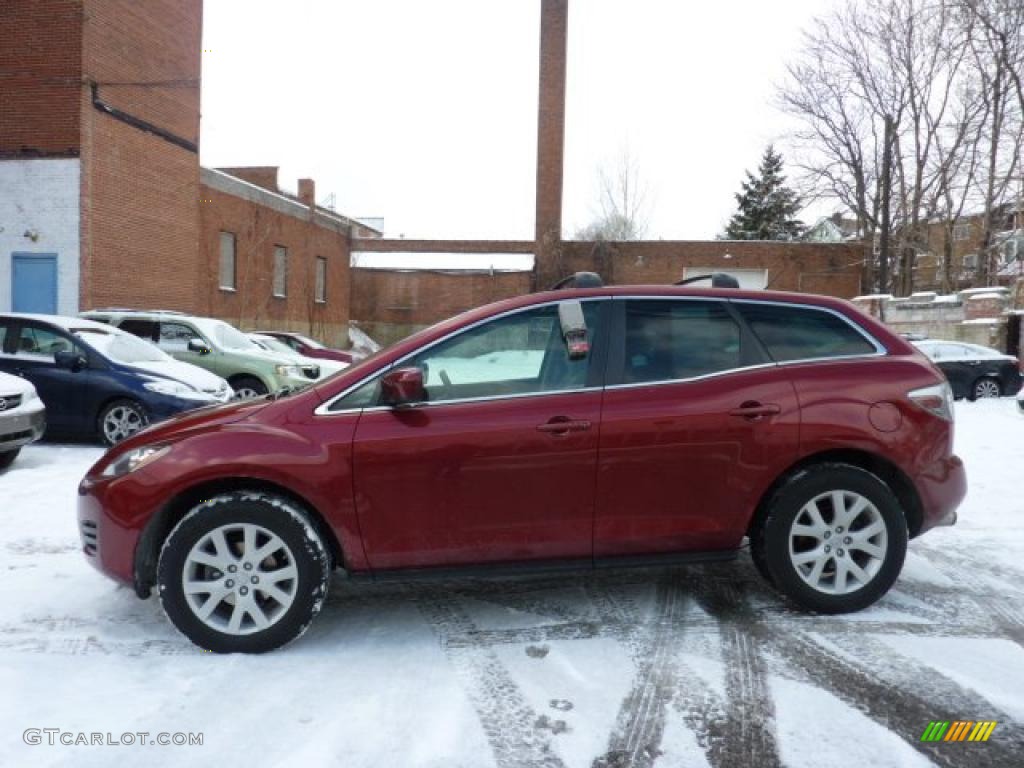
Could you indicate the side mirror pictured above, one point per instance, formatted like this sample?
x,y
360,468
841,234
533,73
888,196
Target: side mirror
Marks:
x,y
198,346
72,361
574,329
402,387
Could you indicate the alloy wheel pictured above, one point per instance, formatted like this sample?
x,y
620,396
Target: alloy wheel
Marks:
x,y
121,422
838,542
240,578
987,388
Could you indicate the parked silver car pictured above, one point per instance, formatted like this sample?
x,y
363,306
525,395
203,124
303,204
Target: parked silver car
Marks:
x,y
22,417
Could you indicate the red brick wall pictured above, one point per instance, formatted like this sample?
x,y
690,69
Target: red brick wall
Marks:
x,y
140,193
40,76
394,303
258,229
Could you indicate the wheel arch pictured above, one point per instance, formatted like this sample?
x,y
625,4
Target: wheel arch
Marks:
x,y
895,478
245,374
147,551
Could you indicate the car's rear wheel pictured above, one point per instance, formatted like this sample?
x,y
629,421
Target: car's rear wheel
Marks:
x,y
247,387
243,572
834,538
7,458
120,420
986,387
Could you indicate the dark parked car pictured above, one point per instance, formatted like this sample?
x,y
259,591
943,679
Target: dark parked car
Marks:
x,y
98,381
307,347
974,371
572,428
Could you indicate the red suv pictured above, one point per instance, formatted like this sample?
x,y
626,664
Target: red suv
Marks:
x,y
575,428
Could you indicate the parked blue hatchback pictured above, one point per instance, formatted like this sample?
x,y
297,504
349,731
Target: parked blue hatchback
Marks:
x,y
98,381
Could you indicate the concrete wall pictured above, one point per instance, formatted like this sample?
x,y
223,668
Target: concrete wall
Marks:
x,y
977,315
40,197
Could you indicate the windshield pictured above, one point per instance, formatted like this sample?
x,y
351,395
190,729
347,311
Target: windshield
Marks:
x,y
232,338
274,345
123,347
309,342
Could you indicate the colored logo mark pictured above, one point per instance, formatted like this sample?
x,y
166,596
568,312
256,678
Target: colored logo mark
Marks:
x,y
958,730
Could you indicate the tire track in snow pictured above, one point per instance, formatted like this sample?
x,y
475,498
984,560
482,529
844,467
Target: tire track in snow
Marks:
x,y
510,724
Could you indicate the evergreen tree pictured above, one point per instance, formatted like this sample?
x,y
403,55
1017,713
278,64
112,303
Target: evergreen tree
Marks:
x,y
767,208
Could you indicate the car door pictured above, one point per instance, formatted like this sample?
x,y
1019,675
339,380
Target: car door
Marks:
x,y
69,395
695,421
498,465
173,338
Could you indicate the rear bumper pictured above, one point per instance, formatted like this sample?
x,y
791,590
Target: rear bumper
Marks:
x,y
942,488
21,427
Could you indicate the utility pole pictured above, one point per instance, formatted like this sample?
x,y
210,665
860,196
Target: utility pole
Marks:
x,y
886,194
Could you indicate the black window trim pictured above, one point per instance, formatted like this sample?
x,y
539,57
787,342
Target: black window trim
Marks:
x,y
595,376
880,349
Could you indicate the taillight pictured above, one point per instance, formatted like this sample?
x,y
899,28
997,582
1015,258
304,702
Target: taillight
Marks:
x,y
936,399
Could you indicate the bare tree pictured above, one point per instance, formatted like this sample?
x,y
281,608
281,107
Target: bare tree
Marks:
x,y
939,77
622,203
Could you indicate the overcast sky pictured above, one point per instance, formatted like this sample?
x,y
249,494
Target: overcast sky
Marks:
x,y
424,113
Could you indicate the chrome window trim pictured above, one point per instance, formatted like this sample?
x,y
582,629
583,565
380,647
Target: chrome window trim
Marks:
x,y
324,408
715,375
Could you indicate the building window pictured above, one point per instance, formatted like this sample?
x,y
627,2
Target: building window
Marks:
x,y
962,231
321,280
228,262
970,263
280,271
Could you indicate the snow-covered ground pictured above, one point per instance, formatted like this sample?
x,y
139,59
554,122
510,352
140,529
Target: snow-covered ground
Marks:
x,y
682,667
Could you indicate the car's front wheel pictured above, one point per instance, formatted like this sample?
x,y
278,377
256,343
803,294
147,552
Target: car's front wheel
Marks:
x,y
834,538
248,387
120,420
243,572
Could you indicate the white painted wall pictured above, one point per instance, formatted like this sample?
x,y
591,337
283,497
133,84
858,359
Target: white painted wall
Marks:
x,y
41,196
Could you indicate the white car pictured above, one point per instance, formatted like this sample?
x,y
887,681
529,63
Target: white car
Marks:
x,y
22,417
314,367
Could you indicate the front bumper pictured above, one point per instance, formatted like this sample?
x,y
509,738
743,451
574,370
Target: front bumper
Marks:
x,y
110,524
21,426
942,488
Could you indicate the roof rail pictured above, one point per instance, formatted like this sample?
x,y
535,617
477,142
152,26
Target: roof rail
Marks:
x,y
718,280
579,280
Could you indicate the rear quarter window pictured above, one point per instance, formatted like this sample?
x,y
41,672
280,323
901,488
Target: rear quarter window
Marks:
x,y
803,333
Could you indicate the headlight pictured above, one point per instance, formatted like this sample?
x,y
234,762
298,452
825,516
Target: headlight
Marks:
x,y
175,389
289,370
135,459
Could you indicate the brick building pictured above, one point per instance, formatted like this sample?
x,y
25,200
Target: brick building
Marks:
x,y
102,199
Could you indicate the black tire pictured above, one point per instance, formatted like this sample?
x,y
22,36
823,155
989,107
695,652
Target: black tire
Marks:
x,y
249,384
279,516
986,387
7,458
756,540
787,504
130,414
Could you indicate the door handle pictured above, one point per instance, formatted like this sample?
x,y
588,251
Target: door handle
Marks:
x,y
754,411
562,426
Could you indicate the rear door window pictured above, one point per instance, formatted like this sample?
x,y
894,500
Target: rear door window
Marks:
x,y
144,329
804,333
668,340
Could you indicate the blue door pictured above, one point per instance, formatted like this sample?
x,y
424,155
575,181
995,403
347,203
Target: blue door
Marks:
x,y
34,283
